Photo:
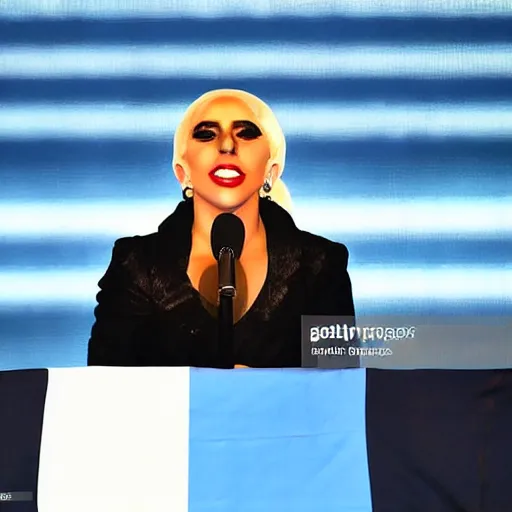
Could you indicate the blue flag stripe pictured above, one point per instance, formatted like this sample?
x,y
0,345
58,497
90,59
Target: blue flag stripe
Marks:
x,y
273,440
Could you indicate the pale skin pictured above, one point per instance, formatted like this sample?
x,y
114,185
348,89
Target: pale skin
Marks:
x,y
227,141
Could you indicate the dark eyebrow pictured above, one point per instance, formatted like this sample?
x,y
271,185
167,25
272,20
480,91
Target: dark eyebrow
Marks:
x,y
206,124
245,124
215,124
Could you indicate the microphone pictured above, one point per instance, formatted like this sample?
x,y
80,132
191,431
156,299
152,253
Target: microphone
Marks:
x,y
227,240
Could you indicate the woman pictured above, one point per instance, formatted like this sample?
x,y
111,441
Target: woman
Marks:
x,y
158,299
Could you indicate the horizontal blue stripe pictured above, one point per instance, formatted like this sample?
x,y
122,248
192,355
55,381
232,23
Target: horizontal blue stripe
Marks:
x,y
416,251
313,120
306,177
242,30
381,283
434,307
54,253
182,89
276,441
18,255
357,218
46,321
220,8
263,59
105,154
45,337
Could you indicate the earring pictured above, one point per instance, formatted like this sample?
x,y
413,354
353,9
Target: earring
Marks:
x,y
187,193
267,186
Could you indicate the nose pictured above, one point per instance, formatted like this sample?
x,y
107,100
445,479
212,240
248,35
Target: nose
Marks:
x,y
227,144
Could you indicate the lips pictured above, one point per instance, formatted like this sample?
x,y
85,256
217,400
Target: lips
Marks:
x,y
227,175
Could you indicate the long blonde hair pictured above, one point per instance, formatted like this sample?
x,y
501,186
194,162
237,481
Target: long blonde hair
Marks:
x,y
268,123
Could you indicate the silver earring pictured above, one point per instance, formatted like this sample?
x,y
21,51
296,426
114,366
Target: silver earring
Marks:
x,y
267,186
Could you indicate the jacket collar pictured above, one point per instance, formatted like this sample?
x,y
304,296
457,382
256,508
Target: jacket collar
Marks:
x,y
283,242
280,228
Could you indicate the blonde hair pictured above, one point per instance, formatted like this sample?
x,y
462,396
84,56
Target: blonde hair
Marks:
x,y
268,123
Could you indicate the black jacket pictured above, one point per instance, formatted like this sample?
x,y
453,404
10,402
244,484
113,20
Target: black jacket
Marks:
x,y
148,313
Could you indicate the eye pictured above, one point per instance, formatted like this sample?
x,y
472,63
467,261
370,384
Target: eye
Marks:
x,y
204,134
249,133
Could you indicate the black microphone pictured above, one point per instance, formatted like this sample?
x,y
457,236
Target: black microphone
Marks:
x,y
227,240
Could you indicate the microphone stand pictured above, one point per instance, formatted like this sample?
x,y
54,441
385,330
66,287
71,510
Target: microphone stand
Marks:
x,y
227,291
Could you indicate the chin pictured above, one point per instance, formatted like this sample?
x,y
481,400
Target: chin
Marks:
x,y
229,200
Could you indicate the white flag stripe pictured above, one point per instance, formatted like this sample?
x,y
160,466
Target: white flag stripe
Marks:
x,y
329,120
259,8
450,282
318,61
443,217
118,446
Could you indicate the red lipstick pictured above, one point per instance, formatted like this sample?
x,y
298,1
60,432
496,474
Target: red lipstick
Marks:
x,y
234,179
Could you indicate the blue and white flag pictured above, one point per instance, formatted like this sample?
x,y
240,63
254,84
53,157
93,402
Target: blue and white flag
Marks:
x,y
190,440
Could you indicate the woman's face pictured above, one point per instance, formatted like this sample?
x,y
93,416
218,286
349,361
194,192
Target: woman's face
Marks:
x,y
227,155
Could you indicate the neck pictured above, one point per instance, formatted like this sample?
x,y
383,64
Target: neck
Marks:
x,y
205,213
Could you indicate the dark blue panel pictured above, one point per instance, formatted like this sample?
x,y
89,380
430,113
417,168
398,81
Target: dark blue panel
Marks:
x,y
495,463
431,443
22,399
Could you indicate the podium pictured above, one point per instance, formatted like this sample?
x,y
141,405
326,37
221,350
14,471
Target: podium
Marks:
x,y
181,439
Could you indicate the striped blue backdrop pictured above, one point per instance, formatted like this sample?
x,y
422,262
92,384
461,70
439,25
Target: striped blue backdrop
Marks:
x,y
398,117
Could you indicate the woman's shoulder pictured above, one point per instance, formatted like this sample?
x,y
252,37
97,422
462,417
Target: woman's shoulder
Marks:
x,y
134,253
172,238
320,251
135,245
285,232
